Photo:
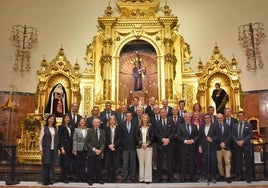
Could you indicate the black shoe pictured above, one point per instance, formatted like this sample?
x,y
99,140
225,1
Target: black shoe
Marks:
x,y
221,178
101,182
159,180
51,182
147,182
142,181
193,180
248,180
229,180
169,180
90,183
213,180
46,183
182,179
123,180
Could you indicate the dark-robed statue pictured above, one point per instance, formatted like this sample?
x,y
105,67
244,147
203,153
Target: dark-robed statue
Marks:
x,y
220,97
138,73
57,103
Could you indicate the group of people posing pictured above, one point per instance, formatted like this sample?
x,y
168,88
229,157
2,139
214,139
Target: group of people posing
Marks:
x,y
199,146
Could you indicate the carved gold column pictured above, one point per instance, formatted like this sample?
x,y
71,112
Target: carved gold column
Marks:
x,y
106,76
169,68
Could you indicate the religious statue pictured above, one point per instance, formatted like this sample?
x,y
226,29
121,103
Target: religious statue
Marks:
x,y
138,73
57,103
220,97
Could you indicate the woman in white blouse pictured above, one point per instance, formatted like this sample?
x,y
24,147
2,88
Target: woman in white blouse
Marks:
x,y
48,146
144,138
79,150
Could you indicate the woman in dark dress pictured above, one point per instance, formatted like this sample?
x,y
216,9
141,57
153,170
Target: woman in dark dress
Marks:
x,y
65,144
48,146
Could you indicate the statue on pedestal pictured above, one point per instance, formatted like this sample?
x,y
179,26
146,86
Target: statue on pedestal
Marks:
x,y
138,73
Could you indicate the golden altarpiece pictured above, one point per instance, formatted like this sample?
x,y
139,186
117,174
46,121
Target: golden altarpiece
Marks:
x,y
219,70
58,71
140,30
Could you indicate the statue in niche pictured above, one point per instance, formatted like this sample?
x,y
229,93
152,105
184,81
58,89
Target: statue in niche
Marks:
x,y
57,103
220,97
138,73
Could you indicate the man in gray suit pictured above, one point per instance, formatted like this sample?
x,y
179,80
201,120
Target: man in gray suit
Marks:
x,y
95,143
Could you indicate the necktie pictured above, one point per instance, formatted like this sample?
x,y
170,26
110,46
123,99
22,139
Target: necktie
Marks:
x,y
175,119
128,127
229,121
97,136
123,117
222,128
188,129
157,117
108,115
240,131
74,118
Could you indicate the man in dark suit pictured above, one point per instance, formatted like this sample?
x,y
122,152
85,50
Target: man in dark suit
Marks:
x,y
95,114
164,132
242,133
230,121
75,117
156,117
211,111
150,108
224,149
187,134
107,112
128,137
167,107
176,121
122,114
95,144
208,138
181,108
135,104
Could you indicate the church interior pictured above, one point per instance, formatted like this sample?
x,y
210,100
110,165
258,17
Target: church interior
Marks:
x,y
88,52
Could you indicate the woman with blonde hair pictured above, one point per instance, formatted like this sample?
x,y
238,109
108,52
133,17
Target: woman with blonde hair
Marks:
x,y
112,147
79,150
144,138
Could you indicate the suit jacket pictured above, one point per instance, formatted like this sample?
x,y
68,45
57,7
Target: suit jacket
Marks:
x,y
72,122
149,136
121,121
225,136
129,139
246,136
149,111
65,138
233,121
213,133
169,112
183,135
117,137
214,119
92,141
164,132
133,112
79,140
103,116
89,122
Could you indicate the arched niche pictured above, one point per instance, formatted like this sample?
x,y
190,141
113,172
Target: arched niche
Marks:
x,y
148,62
58,71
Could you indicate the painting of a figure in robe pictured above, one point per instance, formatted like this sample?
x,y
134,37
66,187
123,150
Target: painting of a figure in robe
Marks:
x,y
57,103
